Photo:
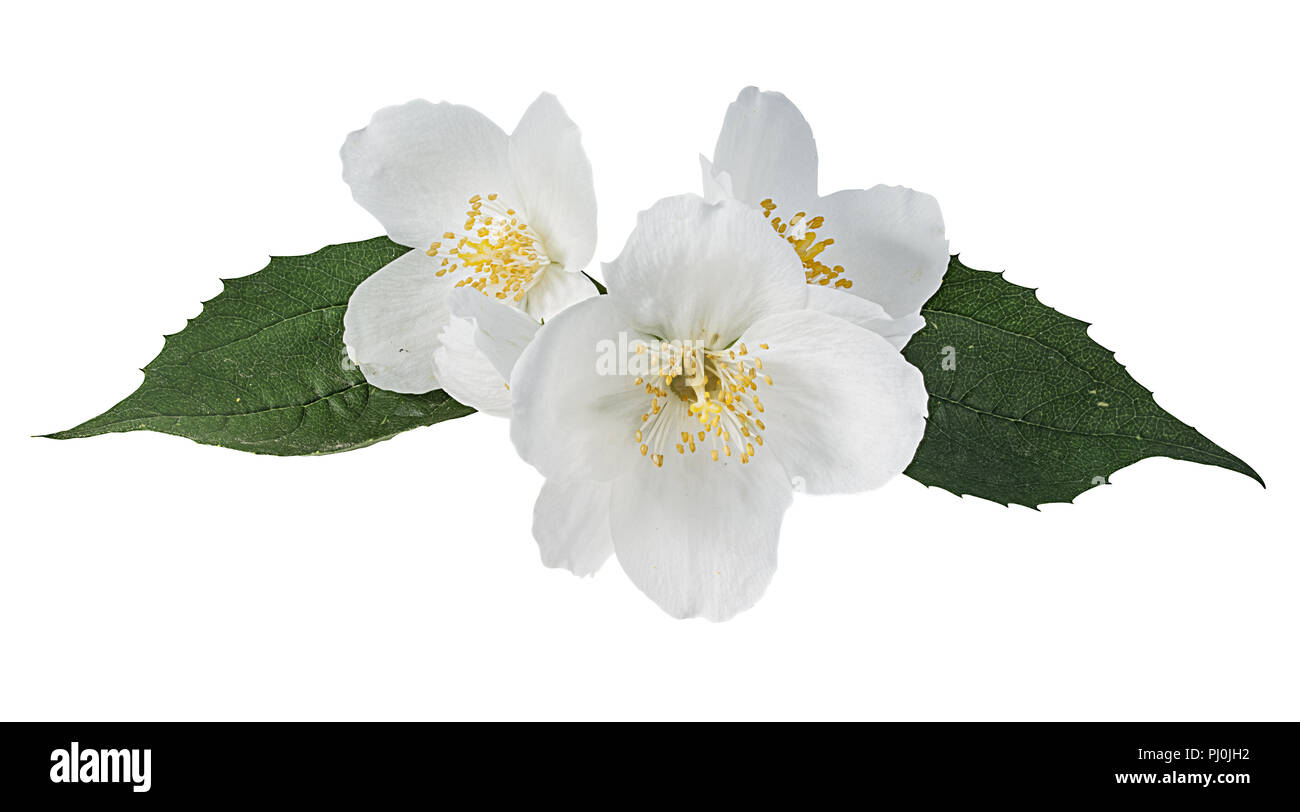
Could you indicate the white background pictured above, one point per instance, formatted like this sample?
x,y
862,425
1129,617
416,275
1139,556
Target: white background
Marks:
x,y
1135,162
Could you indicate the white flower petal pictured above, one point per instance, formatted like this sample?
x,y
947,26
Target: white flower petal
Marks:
x,y
553,176
392,323
554,291
571,525
691,270
864,313
502,332
700,539
767,148
571,420
890,240
717,185
415,166
845,411
465,372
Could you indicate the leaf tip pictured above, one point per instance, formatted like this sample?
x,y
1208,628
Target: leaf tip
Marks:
x,y
1253,474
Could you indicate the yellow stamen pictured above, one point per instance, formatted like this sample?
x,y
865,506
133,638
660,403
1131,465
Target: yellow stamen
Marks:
x,y
715,391
801,233
500,256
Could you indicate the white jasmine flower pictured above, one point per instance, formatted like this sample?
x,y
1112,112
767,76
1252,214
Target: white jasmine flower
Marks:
x,y
885,244
509,219
737,385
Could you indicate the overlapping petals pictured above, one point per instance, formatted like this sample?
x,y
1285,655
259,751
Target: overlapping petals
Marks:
x,y
887,242
427,171
697,530
755,333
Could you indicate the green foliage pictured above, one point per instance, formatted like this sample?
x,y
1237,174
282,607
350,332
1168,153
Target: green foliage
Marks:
x,y
263,368
1025,408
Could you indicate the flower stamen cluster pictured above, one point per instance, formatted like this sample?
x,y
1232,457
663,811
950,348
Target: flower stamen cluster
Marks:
x,y
716,406
801,233
499,254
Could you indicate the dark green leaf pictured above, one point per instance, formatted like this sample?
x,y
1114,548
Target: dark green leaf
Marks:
x,y
263,367
1025,408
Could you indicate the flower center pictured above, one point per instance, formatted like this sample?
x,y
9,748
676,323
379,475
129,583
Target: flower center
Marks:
x,y
499,255
801,232
706,400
